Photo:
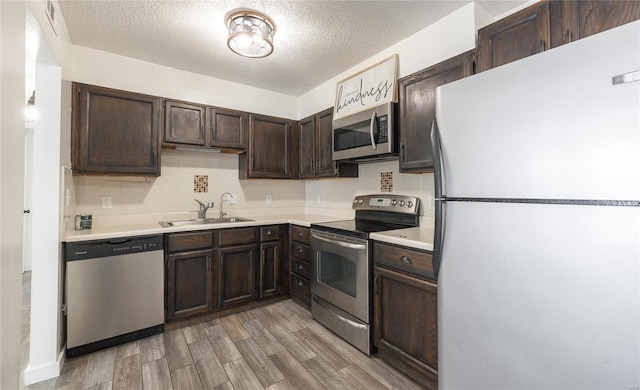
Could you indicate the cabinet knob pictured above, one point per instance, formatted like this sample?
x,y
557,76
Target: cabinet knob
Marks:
x,y
298,266
269,232
406,260
299,234
300,283
300,250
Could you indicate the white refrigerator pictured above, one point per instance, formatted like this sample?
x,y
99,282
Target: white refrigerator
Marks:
x,y
538,220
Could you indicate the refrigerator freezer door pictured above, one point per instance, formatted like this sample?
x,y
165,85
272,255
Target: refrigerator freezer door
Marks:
x,y
537,296
551,126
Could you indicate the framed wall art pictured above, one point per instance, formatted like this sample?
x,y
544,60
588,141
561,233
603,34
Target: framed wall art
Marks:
x,y
368,88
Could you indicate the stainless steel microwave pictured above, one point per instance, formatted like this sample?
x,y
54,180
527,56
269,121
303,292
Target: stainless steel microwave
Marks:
x,y
366,135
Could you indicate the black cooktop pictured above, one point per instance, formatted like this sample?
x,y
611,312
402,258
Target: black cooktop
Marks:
x,y
376,213
356,228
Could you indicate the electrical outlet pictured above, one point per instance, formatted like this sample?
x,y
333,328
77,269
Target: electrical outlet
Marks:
x,y
269,199
106,202
432,202
318,198
233,199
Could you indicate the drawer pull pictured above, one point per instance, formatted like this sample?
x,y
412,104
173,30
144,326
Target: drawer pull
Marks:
x,y
406,260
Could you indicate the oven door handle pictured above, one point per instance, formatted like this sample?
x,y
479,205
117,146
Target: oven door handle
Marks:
x,y
339,243
341,318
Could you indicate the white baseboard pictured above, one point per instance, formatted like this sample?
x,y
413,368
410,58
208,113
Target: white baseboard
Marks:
x,y
44,371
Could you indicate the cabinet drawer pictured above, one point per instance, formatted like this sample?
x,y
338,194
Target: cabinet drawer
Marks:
x,y
404,259
269,233
301,267
300,234
301,250
237,236
189,241
300,288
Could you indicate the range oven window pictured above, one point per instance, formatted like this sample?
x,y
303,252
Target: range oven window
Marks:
x,y
337,272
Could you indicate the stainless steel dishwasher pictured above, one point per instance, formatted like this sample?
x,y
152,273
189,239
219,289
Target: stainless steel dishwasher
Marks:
x,y
114,292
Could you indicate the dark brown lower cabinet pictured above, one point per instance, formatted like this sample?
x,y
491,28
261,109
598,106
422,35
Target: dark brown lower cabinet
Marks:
x,y
406,325
236,274
189,283
269,268
300,264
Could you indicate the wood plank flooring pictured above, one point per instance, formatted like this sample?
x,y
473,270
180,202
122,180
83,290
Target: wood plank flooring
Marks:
x,y
273,347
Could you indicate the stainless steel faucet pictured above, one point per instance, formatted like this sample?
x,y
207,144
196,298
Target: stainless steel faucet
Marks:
x,y
202,213
222,212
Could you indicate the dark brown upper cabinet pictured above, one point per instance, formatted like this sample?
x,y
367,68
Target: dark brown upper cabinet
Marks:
x,y
184,123
227,128
519,35
316,146
114,132
270,154
549,24
417,108
584,18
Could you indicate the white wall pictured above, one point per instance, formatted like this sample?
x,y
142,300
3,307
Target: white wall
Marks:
x,y
12,101
110,70
173,191
450,36
44,357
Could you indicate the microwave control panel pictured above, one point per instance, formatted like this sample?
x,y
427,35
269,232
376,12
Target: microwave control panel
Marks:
x,y
383,134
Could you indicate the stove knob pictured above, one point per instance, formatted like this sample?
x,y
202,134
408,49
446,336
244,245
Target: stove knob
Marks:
x,y
409,204
394,202
360,201
402,203
355,201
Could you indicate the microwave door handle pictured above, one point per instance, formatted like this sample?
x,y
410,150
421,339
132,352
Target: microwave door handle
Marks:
x,y
374,123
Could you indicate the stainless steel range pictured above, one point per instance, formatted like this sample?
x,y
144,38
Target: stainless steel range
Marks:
x,y
341,272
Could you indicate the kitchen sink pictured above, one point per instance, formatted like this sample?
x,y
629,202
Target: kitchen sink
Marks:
x,y
205,221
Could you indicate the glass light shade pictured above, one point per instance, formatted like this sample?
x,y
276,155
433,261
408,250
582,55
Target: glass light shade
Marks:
x,y
250,34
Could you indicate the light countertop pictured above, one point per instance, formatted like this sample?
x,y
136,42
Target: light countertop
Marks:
x,y
419,237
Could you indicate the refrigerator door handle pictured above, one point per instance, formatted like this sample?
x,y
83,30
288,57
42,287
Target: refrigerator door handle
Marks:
x,y
437,160
439,199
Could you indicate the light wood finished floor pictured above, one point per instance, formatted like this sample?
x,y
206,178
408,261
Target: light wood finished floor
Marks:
x,y
272,347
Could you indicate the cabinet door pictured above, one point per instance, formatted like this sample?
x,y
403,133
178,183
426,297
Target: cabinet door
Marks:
x,y
184,123
519,35
189,283
307,158
114,132
325,166
405,324
228,128
270,261
237,275
270,146
417,108
588,17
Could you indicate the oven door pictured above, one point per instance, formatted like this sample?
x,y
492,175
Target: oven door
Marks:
x,y
340,272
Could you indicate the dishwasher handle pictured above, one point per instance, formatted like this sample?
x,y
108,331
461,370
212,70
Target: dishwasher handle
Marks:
x,y
113,247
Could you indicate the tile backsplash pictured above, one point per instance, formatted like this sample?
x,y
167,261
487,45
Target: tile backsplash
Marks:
x,y
176,188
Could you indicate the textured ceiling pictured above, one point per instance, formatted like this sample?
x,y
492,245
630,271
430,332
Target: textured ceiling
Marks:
x,y
315,40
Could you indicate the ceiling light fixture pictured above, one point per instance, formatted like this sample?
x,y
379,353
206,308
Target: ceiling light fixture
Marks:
x,y
250,33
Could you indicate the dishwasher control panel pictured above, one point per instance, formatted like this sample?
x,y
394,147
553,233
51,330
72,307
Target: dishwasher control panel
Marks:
x,y
114,247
